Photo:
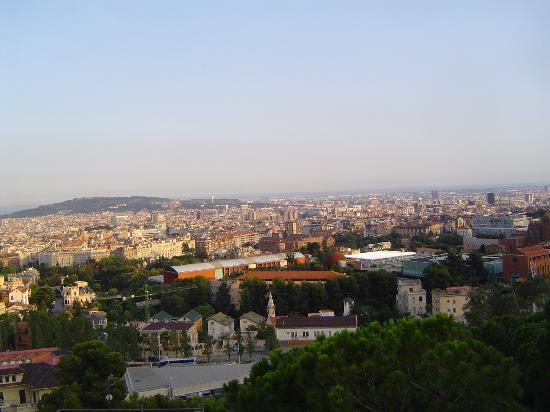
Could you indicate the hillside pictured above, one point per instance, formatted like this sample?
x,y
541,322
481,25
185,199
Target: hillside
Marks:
x,y
95,204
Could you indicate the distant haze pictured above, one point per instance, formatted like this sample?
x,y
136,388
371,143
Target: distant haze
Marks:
x,y
188,98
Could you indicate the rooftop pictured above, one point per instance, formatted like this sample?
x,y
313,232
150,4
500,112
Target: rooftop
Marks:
x,y
380,255
253,317
297,275
167,325
192,267
533,251
285,322
181,376
221,318
455,290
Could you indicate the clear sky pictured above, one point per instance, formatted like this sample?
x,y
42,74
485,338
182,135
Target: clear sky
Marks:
x,y
187,98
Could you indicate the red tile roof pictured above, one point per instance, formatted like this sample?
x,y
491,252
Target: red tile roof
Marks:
x,y
41,355
533,251
174,325
284,322
294,275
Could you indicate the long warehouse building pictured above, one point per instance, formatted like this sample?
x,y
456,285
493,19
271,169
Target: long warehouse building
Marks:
x,y
219,269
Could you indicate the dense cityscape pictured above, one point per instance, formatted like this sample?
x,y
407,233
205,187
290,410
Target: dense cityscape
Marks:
x,y
195,303
275,206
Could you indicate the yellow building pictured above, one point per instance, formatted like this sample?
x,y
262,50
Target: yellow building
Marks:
x,y
78,292
162,339
23,385
451,301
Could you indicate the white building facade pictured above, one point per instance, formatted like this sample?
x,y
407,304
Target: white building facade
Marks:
x,y
411,298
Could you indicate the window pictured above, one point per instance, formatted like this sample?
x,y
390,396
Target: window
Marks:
x,y
13,378
2,397
454,310
305,334
410,289
420,298
22,396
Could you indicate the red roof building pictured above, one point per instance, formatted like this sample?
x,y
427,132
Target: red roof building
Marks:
x,y
525,261
42,355
297,276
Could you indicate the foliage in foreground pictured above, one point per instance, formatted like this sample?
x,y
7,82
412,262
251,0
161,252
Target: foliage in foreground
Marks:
x,y
88,373
406,365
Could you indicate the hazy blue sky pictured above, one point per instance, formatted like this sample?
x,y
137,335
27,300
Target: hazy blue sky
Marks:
x,y
182,98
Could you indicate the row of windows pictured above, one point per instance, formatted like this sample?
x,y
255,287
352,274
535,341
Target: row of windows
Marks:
x,y
305,334
7,378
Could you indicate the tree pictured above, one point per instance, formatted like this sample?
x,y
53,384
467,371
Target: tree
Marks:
x,y
165,341
207,351
436,276
222,302
124,339
253,296
407,365
184,346
240,345
66,397
227,347
95,370
267,333
456,266
475,269
42,297
7,331
280,293
249,343
489,301
174,341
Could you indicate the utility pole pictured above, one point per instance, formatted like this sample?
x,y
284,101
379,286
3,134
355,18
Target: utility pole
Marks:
x,y
147,301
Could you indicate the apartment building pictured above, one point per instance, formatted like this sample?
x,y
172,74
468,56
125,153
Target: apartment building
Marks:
x,y
411,298
451,301
526,261
151,250
226,242
163,338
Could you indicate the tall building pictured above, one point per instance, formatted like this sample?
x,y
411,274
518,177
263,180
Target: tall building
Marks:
x,y
491,198
292,227
158,219
529,197
498,225
435,195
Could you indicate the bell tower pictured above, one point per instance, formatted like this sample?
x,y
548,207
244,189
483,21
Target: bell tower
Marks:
x,y
270,307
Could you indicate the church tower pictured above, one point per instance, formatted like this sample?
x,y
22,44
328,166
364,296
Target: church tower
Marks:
x,y
270,307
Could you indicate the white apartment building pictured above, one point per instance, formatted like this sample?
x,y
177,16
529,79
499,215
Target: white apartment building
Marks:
x,y
498,225
56,258
152,250
411,298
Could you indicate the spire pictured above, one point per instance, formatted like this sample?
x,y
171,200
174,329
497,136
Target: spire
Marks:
x,y
270,307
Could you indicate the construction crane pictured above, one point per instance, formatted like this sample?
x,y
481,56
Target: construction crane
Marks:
x,y
147,295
